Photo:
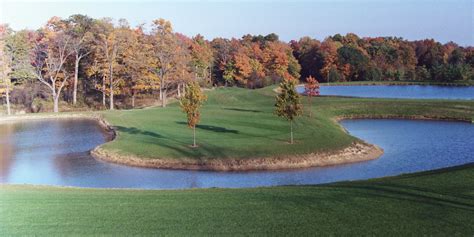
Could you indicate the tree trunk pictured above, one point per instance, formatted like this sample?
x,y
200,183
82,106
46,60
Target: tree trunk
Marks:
x,y
8,99
103,91
111,99
162,83
310,107
179,90
163,100
55,97
55,102
291,131
76,75
194,136
133,100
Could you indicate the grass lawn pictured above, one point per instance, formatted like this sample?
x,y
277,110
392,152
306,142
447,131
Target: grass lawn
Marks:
x,y
239,123
435,203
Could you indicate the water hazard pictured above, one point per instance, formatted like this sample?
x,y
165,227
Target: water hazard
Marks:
x,y
57,153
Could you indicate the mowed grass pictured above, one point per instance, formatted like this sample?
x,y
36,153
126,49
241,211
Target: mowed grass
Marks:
x,y
435,203
240,123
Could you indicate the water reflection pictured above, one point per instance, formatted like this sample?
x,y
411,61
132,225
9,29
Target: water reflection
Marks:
x,y
403,92
57,153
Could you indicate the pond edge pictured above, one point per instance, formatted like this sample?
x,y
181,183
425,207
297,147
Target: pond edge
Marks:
x,y
356,152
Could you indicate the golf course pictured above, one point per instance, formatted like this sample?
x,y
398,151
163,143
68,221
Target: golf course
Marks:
x,y
236,118
237,124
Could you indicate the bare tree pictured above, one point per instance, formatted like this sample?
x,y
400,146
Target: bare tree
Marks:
x,y
50,54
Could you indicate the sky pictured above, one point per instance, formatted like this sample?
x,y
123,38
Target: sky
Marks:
x,y
443,20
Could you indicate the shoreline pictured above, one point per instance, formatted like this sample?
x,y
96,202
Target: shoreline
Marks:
x,y
404,117
356,152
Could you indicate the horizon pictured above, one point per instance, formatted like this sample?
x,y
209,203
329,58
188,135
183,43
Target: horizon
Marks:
x,y
443,21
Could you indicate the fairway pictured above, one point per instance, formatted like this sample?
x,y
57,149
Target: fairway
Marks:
x,y
431,203
240,124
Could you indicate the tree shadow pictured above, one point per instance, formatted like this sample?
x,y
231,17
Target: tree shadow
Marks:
x,y
244,110
133,130
213,128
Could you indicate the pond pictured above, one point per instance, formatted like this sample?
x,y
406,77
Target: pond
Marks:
x,y
402,92
57,153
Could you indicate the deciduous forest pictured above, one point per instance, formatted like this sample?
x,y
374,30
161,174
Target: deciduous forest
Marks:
x,y
84,63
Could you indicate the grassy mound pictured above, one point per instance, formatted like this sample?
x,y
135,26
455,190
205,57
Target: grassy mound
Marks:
x,y
239,123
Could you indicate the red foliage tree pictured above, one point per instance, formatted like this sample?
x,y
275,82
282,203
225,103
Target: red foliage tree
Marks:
x,y
311,88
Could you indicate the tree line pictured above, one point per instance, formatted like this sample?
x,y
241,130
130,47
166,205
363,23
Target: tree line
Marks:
x,y
81,62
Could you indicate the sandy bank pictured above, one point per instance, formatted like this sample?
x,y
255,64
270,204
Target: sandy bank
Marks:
x,y
355,153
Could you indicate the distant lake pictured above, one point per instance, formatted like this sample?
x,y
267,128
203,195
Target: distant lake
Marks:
x,y
57,153
402,92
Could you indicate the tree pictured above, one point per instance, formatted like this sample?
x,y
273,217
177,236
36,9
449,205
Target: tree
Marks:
x,y
311,89
309,55
170,54
50,54
190,104
5,66
110,43
224,67
288,104
20,45
202,58
78,27
136,60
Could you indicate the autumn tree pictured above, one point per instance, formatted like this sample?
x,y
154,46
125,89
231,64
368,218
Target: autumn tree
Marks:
x,y
5,66
288,104
310,56
311,89
223,67
190,103
78,28
51,51
201,58
171,55
109,40
136,58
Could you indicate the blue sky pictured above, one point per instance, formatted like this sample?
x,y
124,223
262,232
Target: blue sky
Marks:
x,y
442,20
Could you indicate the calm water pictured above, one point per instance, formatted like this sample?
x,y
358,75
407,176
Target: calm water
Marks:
x,y
56,153
403,92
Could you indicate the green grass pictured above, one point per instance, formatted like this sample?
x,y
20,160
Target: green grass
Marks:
x,y
239,123
435,203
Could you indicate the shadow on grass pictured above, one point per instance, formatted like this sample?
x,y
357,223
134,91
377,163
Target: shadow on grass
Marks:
x,y
213,128
133,130
244,110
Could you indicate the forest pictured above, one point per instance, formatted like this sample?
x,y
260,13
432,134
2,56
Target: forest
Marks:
x,y
81,63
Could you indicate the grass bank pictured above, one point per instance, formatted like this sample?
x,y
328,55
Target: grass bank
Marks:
x,y
238,125
435,203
